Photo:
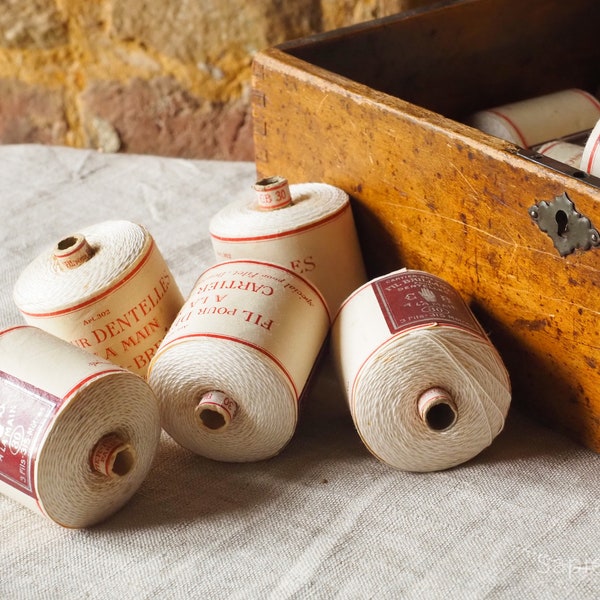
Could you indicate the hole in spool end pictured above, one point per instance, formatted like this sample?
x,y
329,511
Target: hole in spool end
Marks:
x,y
440,416
67,242
437,409
123,463
211,419
215,411
72,251
113,456
268,181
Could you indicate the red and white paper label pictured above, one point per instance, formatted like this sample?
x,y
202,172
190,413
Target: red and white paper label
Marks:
x,y
390,306
261,305
413,299
25,414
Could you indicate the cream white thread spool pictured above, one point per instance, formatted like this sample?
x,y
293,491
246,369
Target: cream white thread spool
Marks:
x,y
425,387
106,289
77,434
537,120
590,158
306,227
230,373
565,152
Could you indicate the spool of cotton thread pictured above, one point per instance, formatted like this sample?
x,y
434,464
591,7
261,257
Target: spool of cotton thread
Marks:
x,y
106,289
537,120
590,158
425,387
230,373
77,434
306,227
565,152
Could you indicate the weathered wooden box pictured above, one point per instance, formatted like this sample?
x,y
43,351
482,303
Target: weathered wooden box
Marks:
x,y
378,110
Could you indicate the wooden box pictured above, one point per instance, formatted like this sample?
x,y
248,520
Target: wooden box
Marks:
x,y
378,109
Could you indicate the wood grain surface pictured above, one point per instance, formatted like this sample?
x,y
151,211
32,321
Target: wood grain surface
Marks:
x,y
431,193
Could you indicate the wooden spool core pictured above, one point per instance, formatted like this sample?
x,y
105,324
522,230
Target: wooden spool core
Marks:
x,y
215,411
437,409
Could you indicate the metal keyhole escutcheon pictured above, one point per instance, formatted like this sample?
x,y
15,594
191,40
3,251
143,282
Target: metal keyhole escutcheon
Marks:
x,y
568,229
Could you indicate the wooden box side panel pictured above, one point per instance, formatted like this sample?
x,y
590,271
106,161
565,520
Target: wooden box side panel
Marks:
x,y
431,194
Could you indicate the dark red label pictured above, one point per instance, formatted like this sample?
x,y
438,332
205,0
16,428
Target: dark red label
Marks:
x,y
25,414
414,299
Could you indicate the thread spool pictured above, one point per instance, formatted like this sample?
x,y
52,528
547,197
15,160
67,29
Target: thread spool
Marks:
x,y
306,227
106,289
537,120
425,387
565,152
77,434
590,158
230,373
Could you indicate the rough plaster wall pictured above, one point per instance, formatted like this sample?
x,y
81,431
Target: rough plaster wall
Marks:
x,y
149,76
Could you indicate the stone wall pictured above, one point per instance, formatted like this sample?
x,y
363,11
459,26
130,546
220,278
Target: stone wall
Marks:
x,y
149,76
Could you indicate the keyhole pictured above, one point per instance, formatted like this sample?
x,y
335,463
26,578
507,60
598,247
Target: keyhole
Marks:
x,y
562,220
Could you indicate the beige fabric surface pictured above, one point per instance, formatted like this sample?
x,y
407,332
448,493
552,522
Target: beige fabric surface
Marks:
x,y
324,519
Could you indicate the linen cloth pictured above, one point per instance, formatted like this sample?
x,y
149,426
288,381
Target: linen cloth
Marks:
x,y
324,519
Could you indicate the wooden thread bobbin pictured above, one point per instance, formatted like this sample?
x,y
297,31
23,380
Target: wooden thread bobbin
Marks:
x,y
72,251
215,411
273,193
112,456
437,409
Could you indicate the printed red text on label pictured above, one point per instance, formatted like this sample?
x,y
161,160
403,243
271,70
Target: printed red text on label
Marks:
x,y
25,414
